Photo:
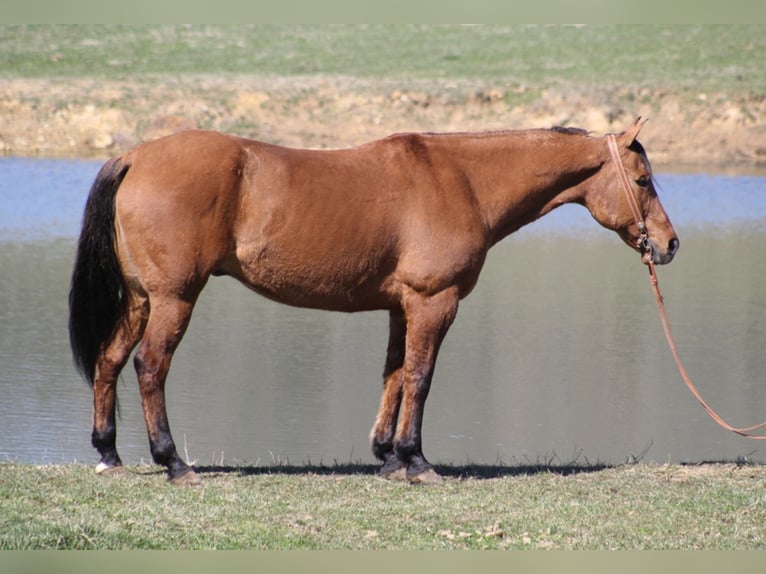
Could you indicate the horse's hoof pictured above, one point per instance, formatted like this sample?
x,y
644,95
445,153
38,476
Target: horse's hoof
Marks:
x,y
395,474
188,478
427,476
393,469
103,469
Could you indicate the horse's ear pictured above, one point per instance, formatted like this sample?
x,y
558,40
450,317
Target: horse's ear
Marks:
x,y
629,135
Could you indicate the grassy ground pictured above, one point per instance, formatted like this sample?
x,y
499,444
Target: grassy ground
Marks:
x,y
628,507
690,57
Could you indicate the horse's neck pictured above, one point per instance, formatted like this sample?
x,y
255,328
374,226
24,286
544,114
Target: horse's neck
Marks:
x,y
520,176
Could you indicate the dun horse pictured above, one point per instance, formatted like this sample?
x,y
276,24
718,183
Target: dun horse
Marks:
x,y
402,224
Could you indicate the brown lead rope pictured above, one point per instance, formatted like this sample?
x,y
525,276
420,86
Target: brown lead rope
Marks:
x,y
625,181
745,432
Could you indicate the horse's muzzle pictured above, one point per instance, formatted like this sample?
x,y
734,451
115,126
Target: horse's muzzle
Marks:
x,y
659,256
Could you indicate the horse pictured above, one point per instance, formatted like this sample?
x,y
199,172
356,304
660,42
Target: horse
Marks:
x,y
402,224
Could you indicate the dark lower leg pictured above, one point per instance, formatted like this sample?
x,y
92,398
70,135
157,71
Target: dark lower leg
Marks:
x,y
164,453
151,376
385,428
104,435
382,436
152,370
109,366
409,444
104,440
409,451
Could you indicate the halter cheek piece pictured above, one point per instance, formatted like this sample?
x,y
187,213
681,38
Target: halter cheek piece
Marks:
x,y
642,243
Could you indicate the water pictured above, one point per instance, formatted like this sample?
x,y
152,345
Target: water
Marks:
x,y
558,355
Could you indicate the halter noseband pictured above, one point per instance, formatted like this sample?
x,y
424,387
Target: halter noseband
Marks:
x,y
643,237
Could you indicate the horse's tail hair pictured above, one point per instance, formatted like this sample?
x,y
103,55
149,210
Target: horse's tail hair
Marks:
x,y
98,292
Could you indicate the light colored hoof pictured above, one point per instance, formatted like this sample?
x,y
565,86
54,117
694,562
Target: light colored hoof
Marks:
x,y
398,474
187,479
103,469
429,476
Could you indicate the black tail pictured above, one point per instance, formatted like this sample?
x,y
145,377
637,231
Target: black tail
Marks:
x,y
97,300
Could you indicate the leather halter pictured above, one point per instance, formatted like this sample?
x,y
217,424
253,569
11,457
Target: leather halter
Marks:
x,y
643,239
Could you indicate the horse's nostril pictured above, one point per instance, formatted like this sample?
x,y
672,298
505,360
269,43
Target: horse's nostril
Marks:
x,y
673,245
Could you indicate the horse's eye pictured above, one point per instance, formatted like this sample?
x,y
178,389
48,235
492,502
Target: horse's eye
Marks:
x,y
643,181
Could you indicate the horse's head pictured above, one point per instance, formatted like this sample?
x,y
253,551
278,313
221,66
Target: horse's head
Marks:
x,y
641,222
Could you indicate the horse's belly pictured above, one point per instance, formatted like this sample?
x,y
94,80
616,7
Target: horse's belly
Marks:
x,y
342,284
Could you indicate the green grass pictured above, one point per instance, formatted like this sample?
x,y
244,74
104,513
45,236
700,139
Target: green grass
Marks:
x,y
347,507
723,58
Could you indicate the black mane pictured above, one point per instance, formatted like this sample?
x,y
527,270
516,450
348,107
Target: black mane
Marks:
x,y
570,131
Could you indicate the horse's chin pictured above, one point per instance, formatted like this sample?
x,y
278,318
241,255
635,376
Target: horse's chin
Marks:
x,y
657,257
647,257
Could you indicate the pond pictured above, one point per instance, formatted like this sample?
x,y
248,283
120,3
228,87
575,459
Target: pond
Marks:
x,y
557,356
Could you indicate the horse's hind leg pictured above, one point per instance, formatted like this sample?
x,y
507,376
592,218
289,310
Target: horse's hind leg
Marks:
x,y
108,368
382,436
168,319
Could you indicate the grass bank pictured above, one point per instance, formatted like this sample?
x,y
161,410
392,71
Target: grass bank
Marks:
x,y
638,506
701,58
80,90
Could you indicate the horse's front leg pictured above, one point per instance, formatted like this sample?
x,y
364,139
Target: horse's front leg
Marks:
x,y
428,319
382,435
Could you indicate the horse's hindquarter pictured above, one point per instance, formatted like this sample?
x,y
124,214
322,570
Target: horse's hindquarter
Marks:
x,y
347,229
175,209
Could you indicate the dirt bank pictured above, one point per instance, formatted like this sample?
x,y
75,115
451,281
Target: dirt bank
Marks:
x,y
91,118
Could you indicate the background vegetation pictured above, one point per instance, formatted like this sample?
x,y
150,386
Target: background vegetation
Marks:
x,y
84,90
711,57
